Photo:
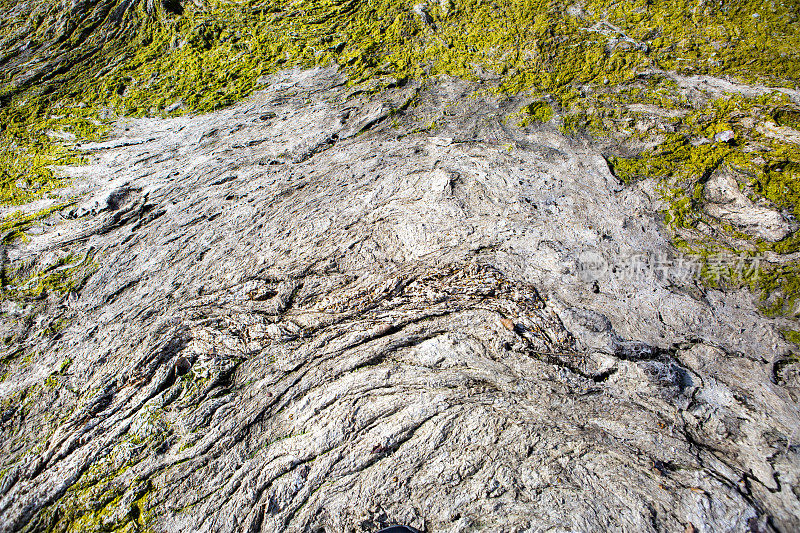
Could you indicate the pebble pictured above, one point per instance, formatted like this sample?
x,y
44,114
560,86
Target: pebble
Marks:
x,y
182,365
724,136
507,323
173,107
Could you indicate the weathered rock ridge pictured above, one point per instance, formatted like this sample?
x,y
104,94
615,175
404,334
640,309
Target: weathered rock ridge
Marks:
x,y
308,313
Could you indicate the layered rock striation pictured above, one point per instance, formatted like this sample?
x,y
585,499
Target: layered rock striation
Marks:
x,y
310,312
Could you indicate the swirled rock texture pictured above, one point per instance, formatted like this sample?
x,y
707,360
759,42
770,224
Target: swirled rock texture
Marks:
x,y
308,313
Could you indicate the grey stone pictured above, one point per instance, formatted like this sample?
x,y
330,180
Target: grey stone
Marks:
x,y
728,203
383,329
725,136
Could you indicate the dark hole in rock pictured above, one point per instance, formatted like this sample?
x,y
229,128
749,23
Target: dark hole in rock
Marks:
x,y
182,366
172,6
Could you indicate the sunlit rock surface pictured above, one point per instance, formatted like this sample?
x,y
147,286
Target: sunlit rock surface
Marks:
x,y
308,313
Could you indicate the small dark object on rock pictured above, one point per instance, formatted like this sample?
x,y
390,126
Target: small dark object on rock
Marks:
x,y
661,467
378,448
172,6
182,366
399,529
595,287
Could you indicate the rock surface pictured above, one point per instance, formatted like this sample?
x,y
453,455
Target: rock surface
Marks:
x,y
728,203
310,313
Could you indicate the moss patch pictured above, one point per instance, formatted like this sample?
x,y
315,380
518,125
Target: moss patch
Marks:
x,y
13,226
198,59
536,112
63,276
594,60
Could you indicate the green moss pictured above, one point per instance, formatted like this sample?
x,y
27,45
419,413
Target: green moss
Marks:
x,y
13,226
54,379
779,182
675,159
787,117
66,275
142,509
56,326
780,290
186,446
536,112
749,39
213,56
96,503
580,121
768,170
792,336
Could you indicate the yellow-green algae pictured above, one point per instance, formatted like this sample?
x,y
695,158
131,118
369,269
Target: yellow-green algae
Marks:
x,y
13,226
94,503
592,58
536,112
590,61
212,56
63,276
768,168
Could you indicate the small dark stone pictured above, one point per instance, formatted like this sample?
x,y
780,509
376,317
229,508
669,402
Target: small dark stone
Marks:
x,y
182,366
172,6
